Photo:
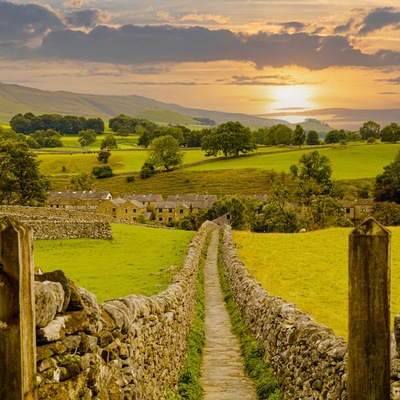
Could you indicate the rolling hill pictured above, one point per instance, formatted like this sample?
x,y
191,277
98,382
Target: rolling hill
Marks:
x,y
16,99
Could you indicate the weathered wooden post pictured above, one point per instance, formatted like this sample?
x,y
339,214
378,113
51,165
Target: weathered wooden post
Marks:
x,y
17,325
369,312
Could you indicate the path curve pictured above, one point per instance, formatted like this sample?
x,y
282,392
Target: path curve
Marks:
x,y
222,371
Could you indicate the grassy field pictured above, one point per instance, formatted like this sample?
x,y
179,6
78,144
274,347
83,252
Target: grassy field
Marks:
x,y
348,162
310,270
135,261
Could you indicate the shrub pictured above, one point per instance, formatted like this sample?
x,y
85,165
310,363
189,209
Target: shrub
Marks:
x,y
102,172
130,179
147,170
103,156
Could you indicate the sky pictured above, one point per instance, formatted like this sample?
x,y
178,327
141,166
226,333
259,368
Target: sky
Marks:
x,y
338,62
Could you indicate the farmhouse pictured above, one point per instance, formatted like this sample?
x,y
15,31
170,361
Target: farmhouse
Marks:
x,y
358,210
149,200
86,200
171,211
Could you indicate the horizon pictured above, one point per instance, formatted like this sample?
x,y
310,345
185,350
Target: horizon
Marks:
x,y
284,60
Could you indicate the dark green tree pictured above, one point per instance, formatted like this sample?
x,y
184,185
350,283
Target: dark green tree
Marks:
x,y
97,124
370,129
335,136
312,138
387,184
109,142
390,133
20,179
103,156
299,136
165,152
279,134
48,139
314,166
387,213
86,137
229,138
147,170
102,172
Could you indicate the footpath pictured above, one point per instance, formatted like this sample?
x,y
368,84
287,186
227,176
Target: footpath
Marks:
x,y
222,373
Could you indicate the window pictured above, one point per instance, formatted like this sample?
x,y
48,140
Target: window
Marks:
x,y
126,210
181,210
169,219
170,210
113,210
160,219
134,210
347,210
134,218
160,210
363,209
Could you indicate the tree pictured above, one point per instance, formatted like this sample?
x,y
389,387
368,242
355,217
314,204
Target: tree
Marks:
x,y
147,170
87,137
102,172
387,184
229,138
312,138
299,136
314,166
97,124
48,139
278,134
369,129
390,133
335,136
83,181
109,142
387,213
20,179
103,156
165,152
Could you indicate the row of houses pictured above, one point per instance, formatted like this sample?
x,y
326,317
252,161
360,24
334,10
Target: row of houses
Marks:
x,y
134,207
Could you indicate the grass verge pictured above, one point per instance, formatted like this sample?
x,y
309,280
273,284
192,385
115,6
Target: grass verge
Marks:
x,y
256,368
189,386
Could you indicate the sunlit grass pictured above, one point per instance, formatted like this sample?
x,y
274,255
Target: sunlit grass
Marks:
x,y
310,270
348,162
135,261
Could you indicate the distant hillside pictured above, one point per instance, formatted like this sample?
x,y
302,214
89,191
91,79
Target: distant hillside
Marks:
x,y
16,99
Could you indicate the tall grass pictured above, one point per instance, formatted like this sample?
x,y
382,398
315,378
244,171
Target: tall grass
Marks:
x,y
310,270
137,260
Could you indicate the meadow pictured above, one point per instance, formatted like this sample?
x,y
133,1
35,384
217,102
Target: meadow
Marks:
x,y
348,162
310,270
137,260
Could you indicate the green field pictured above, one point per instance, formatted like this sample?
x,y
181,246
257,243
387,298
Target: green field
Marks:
x,y
135,261
348,162
310,270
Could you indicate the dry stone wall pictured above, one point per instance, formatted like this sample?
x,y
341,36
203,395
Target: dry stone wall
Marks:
x,y
125,348
48,223
307,358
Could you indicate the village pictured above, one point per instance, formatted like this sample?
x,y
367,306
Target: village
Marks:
x,y
142,208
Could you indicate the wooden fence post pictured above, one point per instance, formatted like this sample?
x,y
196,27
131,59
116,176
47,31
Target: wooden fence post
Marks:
x,y
369,312
17,317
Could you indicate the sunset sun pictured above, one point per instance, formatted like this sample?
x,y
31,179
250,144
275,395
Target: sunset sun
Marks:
x,y
291,97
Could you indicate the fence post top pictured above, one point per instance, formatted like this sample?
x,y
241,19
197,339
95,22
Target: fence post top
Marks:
x,y
7,222
370,227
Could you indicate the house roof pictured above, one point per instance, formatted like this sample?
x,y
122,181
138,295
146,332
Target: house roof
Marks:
x,y
80,195
171,204
144,197
191,197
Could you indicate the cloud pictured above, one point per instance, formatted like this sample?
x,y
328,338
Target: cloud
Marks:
x,y
293,26
391,81
20,24
204,18
76,3
34,32
380,18
86,18
132,44
264,80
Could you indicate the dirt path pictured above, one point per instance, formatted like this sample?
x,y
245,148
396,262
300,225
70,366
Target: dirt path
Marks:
x,y
223,376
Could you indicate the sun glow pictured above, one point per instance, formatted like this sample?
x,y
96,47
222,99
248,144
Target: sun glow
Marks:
x,y
291,98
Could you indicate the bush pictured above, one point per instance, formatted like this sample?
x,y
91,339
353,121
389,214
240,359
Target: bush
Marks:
x,y
147,170
130,179
103,156
102,172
